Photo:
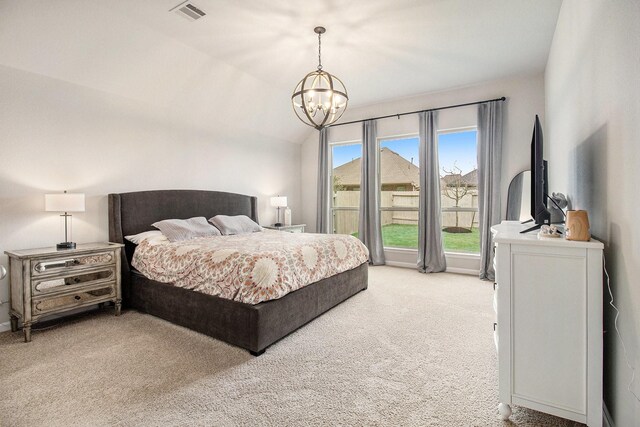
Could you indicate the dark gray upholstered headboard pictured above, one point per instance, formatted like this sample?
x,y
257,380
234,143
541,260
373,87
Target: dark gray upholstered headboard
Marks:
x,y
132,213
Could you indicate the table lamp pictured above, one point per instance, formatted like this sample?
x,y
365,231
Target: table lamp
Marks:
x,y
65,202
278,202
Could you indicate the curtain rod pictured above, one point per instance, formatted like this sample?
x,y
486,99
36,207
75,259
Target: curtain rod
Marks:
x,y
418,111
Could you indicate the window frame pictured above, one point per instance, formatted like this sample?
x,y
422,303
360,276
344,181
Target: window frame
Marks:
x,y
453,208
332,208
381,209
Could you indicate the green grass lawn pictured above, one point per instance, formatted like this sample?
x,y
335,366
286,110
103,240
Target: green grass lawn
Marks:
x,y
406,236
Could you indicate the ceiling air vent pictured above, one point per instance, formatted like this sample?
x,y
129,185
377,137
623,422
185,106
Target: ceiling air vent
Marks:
x,y
189,11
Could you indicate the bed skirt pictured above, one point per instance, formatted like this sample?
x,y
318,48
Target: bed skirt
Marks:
x,y
252,327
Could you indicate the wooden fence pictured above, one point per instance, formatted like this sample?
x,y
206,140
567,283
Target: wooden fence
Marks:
x,y
345,221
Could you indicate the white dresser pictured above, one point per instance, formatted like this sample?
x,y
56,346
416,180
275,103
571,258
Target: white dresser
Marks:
x,y
548,301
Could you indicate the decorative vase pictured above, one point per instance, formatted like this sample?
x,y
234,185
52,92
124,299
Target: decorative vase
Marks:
x,y
577,226
287,217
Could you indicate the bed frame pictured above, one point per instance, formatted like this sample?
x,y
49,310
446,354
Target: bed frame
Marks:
x,y
253,327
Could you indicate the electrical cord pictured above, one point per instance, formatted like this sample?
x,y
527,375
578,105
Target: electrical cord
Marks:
x,y
615,324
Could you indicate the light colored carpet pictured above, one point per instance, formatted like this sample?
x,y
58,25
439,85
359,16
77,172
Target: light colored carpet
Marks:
x,y
412,350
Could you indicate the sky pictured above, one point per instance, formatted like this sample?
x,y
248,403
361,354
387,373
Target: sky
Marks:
x,y
457,148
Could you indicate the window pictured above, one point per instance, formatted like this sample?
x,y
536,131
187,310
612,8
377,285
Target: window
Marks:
x,y
457,151
345,187
399,191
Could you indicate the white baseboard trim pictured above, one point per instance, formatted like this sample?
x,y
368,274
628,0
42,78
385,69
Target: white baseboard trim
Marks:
x,y
607,421
401,264
6,326
469,271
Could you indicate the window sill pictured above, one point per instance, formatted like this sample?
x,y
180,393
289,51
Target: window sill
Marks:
x,y
464,255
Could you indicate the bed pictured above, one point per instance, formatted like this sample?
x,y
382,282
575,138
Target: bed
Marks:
x,y
251,326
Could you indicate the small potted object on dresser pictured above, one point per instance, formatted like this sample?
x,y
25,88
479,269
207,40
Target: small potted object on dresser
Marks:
x,y
578,226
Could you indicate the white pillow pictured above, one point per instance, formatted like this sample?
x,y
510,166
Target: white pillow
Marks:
x,y
153,235
238,224
177,230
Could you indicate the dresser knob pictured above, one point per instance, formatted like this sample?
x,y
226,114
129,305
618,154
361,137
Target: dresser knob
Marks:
x,y
77,297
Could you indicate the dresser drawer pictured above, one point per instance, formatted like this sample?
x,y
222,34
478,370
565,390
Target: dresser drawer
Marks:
x,y
72,280
52,303
46,266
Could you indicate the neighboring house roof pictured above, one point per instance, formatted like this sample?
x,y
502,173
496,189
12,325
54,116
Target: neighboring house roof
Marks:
x,y
395,170
471,179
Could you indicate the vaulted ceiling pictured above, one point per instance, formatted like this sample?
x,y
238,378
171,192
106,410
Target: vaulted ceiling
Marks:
x,y
236,67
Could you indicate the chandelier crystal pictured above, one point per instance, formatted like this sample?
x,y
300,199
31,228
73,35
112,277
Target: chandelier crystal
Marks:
x,y
320,98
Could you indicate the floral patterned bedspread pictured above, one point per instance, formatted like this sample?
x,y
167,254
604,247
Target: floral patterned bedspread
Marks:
x,y
250,268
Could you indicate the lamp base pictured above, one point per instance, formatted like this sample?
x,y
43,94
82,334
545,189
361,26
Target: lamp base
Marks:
x,y
65,245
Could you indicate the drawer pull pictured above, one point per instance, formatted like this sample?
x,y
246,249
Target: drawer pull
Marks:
x,y
44,266
494,326
494,285
78,298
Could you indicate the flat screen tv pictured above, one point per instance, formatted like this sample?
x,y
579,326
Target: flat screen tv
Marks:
x,y
539,181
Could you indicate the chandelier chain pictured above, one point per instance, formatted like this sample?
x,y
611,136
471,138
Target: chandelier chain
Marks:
x,y
319,51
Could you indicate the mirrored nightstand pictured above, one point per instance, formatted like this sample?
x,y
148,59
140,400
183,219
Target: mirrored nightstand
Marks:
x,y
49,281
296,228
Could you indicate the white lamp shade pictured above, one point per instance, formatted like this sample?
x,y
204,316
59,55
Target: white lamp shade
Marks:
x,y
64,202
279,201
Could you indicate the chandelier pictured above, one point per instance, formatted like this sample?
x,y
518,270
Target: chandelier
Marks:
x,y
320,98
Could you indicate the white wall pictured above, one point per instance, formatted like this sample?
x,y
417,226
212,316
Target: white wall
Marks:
x,y
56,135
593,140
525,99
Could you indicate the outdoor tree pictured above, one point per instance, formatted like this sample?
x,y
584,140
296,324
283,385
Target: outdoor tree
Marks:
x,y
455,188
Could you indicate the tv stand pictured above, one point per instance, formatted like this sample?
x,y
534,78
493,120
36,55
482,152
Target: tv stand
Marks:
x,y
542,217
535,227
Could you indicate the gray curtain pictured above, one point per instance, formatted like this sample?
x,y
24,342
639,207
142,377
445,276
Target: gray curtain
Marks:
x,y
431,257
489,168
323,214
370,229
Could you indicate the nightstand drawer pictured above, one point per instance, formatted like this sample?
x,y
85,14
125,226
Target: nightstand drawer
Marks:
x,y
70,280
72,300
71,263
